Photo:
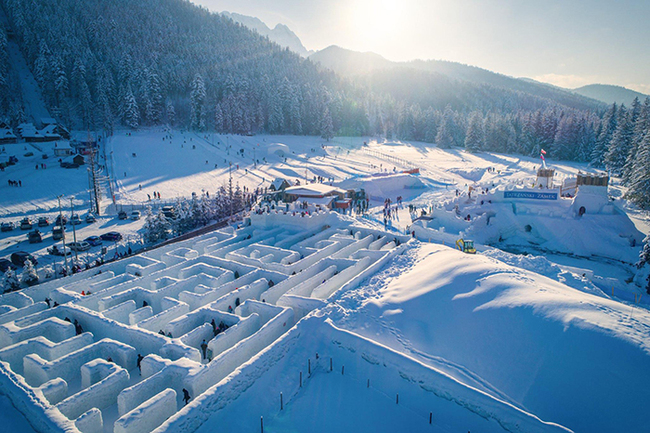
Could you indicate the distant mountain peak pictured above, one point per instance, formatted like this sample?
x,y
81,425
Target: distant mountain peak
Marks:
x,y
280,34
610,93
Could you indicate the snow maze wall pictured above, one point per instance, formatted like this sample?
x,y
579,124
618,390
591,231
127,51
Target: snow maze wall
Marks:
x,y
227,295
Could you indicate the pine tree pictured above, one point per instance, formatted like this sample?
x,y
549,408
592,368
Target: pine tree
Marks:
x,y
29,275
198,101
639,179
149,228
130,109
602,142
10,281
619,146
474,137
644,255
326,126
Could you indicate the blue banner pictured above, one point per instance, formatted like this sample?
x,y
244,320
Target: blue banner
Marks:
x,y
531,194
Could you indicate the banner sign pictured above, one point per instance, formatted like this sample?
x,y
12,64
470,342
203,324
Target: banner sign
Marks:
x,y
531,194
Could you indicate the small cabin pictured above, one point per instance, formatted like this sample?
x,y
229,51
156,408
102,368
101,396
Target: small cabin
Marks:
x,y
62,151
279,184
79,160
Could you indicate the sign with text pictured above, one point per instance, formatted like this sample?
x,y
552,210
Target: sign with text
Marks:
x,y
535,195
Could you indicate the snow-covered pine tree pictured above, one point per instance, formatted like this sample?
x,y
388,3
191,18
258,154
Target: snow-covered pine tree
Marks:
x,y
131,112
639,179
608,126
474,136
10,281
619,146
29,275
326,125
150,234
197,102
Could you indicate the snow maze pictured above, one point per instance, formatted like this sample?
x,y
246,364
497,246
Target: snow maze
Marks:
x,y
75,365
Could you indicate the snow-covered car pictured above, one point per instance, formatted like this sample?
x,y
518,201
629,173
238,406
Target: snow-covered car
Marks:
x,y
168,211
58,233
7,226
61,220
75,220
79,246
19,257
135,215
26,224
111,236
93,240
43,222
90,218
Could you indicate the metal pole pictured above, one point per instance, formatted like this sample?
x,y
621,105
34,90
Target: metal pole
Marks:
x,y
65,257
74,230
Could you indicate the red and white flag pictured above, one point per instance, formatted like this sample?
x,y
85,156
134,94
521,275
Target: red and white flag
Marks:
x,y
543,152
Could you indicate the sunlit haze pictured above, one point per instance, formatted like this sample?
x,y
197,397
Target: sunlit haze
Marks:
x,y
567,43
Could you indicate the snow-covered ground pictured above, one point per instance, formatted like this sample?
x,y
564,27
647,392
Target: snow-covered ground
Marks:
x,y
542,330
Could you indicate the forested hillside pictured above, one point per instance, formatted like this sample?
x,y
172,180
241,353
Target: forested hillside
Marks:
x,y
148,62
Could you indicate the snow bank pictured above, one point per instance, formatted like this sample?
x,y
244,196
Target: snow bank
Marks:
x,y
149,414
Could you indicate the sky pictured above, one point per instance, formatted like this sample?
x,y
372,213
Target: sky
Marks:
x,y
568,43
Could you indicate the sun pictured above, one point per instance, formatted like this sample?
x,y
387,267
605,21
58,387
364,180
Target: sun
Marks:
x,y
376,22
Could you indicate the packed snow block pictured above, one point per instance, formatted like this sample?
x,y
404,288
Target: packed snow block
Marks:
x,y
15,313
4,309
152,364
197,300
45,348
95,371
140,314
378,243
200,268
265,310
136,293
178,255
200,380
16,299
176,350
172,310
272,294
161,282
307,287
53,328
212,239
186,323
149,415
301,305
100,395
307,240
171,376
90,421
348,250
110,282
249,291
234,334
197,335
38,370
55,390
141,266
324,290
120,312
241,241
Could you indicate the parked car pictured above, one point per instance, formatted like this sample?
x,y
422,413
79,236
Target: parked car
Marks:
x,y
26,224
61,220
56,251
122,215
7,226
69,165
58,233
6,264
90,218
111,236
43,222
79,246
34,237
94,240
135,215
168,211
75,219
19,257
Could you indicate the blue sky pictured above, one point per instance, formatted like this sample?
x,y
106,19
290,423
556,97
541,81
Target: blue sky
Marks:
x,y
569,43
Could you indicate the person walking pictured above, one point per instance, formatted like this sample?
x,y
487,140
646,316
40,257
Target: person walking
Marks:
x,y
186,396
204,348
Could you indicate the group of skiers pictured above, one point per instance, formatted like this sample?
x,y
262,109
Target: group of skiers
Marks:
x,y
15,182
